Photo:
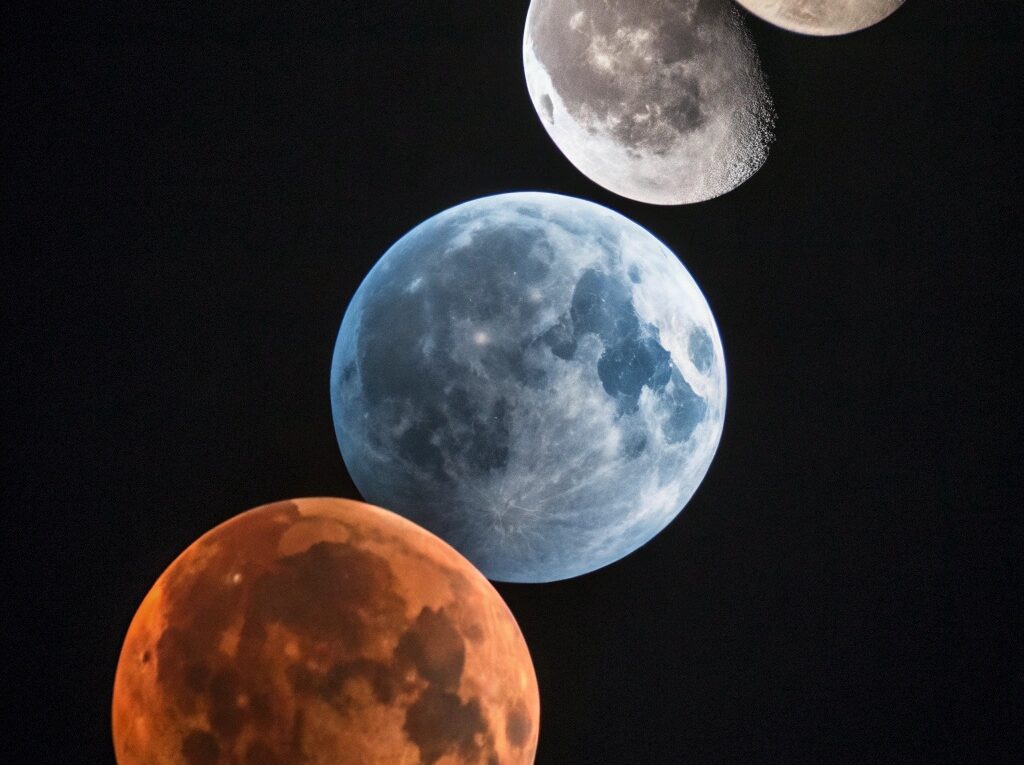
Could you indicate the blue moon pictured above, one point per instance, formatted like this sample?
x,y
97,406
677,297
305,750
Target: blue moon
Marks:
x,y
534,378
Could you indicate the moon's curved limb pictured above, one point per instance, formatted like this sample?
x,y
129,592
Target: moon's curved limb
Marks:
x,y
662,101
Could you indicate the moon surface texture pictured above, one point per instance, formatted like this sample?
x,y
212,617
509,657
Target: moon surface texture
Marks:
x,y
323,632
661,101
822,17
532,377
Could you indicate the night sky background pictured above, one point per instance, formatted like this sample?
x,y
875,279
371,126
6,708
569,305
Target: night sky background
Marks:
x,y
192,192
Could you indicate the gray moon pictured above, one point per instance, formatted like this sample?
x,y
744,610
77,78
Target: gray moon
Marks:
x,y
822,17
661,101
534,378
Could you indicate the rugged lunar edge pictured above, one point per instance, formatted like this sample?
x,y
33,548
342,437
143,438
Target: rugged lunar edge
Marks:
x,y
534,378
662,101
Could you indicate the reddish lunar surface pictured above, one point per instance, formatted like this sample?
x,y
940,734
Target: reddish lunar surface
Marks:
x,y
323,631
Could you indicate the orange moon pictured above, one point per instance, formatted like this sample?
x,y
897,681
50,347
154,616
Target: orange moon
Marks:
x,y
323,631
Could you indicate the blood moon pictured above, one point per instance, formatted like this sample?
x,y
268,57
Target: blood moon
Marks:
x,y
323,631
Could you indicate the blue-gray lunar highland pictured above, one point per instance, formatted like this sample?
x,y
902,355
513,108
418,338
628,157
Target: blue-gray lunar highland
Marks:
x,y
532,377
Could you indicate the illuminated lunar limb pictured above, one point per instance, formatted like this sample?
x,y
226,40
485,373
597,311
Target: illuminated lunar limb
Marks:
x,y
662,101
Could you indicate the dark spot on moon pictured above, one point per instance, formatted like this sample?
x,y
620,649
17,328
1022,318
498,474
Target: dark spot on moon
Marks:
x,y
349,371
634,274
633,358
475,633
226,717
181,672
634,444
200,747
517,725
196,675
323,593
561,339
434,647
626,368
547,107
438,723
687,409
298,729
259,753
601,305
701,349
261,710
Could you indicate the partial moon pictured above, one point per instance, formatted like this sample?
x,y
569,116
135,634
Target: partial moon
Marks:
x,y
822,17
323,632
661,101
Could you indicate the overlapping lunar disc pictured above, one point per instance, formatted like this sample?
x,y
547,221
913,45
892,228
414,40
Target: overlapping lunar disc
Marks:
x,y
535,378
323,632
822,17
662,101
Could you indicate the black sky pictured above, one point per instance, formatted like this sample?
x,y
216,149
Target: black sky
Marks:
x,y
193,191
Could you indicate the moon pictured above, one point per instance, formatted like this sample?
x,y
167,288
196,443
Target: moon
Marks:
x,y
323,632
534,378
661,101
822,17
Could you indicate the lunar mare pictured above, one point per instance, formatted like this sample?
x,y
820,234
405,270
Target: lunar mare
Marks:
x,y
323,632
661,101
532,377
822,17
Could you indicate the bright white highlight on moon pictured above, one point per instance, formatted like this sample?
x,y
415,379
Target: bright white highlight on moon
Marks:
x,y
662,101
